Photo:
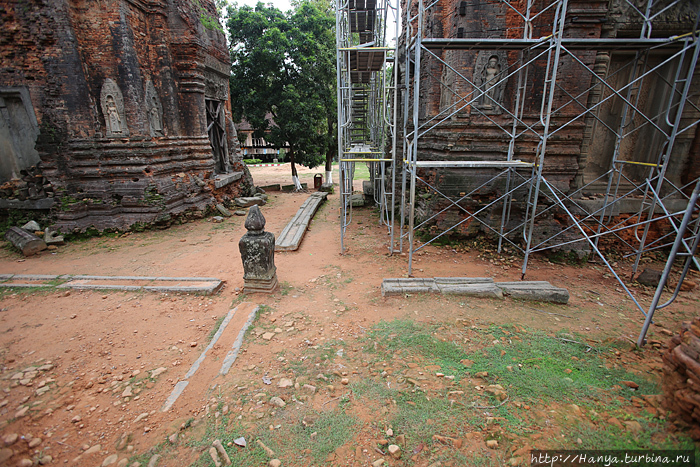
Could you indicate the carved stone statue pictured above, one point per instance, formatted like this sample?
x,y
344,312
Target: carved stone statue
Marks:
x,y
257,249
155,110
490,73
112,104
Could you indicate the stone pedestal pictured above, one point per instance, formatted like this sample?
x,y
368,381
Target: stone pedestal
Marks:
x,y
258,255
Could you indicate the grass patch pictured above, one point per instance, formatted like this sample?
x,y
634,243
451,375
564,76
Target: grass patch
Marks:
x,y
554,368
293,442
653,435
409,336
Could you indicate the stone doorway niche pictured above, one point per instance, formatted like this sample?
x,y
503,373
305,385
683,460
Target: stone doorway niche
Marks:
x,y
216,121
645,144
18,132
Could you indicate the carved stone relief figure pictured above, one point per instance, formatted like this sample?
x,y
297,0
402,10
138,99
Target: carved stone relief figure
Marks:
x,y
112,104
489,71
155,110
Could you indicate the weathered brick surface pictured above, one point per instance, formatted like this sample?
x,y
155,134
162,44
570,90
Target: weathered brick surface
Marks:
x,y
63,51
578,144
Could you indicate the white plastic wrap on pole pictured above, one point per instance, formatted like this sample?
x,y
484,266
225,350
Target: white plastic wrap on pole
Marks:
x,y
329,177
297,184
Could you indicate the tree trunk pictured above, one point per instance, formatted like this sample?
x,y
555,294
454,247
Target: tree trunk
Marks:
x,y
295,175
330,154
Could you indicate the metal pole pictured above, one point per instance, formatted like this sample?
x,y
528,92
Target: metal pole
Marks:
x,y
539,161
414,155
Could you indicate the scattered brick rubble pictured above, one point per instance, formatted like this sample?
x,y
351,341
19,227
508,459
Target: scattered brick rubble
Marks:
x,y
682,376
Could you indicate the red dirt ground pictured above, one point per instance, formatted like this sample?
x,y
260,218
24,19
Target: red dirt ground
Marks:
x,y
95,341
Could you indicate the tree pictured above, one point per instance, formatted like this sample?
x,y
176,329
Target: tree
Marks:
x,y
282,70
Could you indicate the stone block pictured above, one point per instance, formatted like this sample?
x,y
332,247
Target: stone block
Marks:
x,y
249,201
541,291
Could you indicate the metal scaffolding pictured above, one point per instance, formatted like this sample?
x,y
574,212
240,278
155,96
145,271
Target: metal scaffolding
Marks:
x,y
366,90
611,72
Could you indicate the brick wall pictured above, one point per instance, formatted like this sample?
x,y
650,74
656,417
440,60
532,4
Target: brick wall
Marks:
x,y
64,51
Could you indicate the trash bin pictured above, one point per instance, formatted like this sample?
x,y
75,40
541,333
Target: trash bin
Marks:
x,y
318,181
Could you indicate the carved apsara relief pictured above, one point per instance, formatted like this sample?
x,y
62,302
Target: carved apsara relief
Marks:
x,y
112,103
490,70
154,108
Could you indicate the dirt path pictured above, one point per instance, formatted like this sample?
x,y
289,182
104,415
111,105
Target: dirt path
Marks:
x,y
97,350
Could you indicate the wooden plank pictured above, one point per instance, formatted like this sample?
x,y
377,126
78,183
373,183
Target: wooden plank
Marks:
x,y
293,233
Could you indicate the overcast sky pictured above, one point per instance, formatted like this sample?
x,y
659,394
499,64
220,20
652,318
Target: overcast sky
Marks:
x,y
283,5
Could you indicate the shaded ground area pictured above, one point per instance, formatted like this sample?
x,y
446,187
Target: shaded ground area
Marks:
x,y
452,380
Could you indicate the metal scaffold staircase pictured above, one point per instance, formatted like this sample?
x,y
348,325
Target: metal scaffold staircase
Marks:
x,y
366,91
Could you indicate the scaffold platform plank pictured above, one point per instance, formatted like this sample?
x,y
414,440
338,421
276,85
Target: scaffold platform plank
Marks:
x,y
476,164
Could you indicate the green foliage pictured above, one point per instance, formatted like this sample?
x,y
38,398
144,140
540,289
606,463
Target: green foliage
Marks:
x,y
252,161
208,21
283,77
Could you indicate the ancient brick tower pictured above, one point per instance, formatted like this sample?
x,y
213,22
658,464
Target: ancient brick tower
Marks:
x,y
124,106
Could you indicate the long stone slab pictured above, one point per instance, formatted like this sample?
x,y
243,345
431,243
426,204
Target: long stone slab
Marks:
x,y
476,286
233,324
541,291
408,285
194,285
293,233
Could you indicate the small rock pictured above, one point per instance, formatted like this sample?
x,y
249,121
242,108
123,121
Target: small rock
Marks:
x,y
5,453
109,460
268,335
394,451
240,442
123,462
389,432
193,344
31,226
123,440
127,392
240,212
158,371
222,452
76,419
22,412
650,277
10,439
154,460
630,384
277,402
378,463
223,211
34,443
345,381
217,219
275,463
25,463
93,449
492,444
173,438
214,456
633,426
310,388
285,383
